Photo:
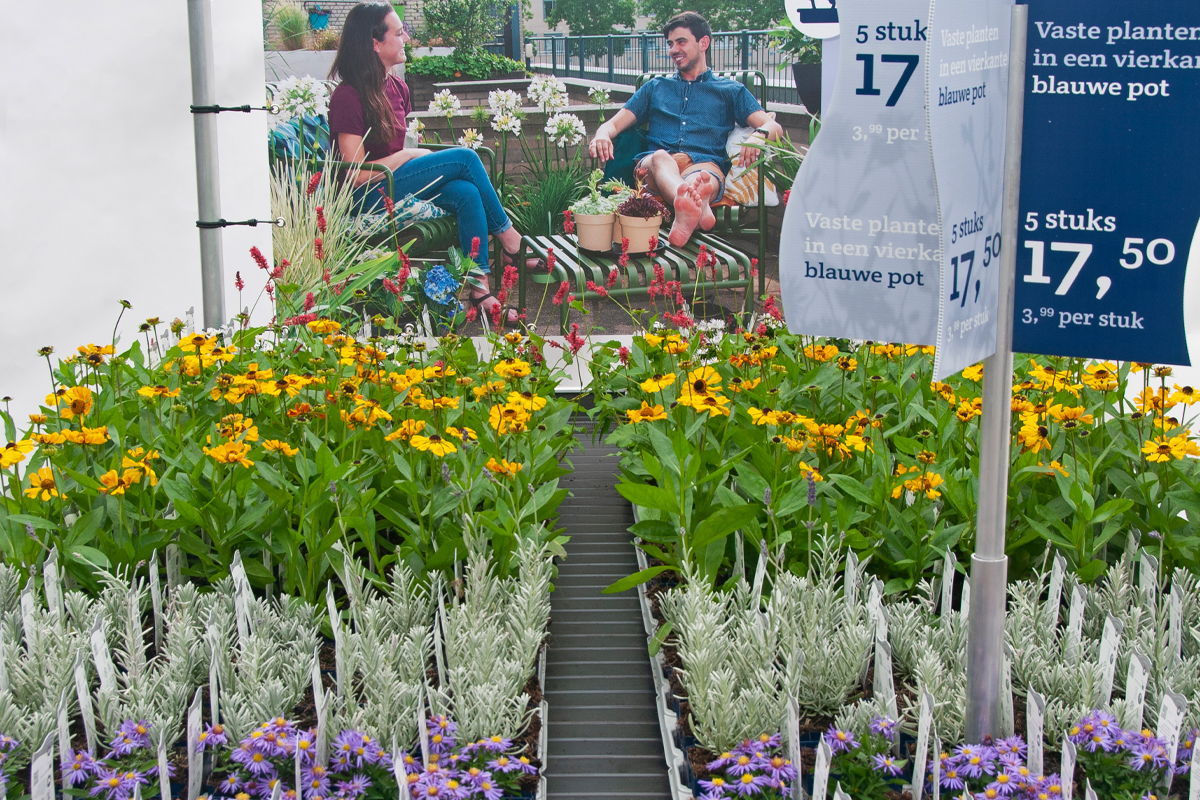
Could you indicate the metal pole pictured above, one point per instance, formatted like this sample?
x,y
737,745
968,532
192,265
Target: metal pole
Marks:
x,y
581,58
611,69
554,56
645,53
745,50
989,564
208,184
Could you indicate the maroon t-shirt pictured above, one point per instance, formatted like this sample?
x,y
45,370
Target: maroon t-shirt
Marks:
x,y
346,116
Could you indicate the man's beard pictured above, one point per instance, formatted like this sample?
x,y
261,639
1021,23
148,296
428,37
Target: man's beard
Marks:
x,y
688,66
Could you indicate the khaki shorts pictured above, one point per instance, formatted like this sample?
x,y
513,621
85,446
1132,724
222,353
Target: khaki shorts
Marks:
x,y
687,167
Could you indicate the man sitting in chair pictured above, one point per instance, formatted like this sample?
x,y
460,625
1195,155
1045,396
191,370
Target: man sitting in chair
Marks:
x,y
690,117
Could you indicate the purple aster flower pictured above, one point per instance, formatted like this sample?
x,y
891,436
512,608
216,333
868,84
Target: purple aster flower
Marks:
x,y
78,767
231,784
503,764
440,723
746,763
138,732
315,781
781,769
440,742
1103,720
722,761
355,786
212,736
340,762
496,744
266,788
1148,755
524,765
768,742
306,743
885,764
1099,740
748,784
840,741
885,727
951,778
411,766
1012,745
715,788
1005,783
346,742
489,789
258,765
7,744
112,784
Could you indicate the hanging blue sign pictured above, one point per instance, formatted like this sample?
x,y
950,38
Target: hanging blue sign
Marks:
x,y
1110,210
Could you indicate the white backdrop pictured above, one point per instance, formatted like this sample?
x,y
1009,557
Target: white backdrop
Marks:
x,y
98,178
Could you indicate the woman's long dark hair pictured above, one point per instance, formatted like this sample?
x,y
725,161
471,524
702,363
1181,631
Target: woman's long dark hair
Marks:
x,y
358,64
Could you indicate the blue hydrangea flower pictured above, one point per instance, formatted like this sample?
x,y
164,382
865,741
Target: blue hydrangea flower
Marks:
x,y
440,286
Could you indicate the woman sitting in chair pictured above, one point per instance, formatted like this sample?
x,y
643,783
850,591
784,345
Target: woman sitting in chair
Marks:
x,y
367,115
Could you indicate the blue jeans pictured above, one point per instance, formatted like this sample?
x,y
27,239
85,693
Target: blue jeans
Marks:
x,y
460,186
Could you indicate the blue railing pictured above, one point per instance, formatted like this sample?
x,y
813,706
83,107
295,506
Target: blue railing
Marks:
x,y
622,58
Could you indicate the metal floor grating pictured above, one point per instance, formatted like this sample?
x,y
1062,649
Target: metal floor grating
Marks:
x,y
604,737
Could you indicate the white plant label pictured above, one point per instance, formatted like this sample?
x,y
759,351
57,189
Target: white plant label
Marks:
x,y
1035,721
885,688
923,723
936,779
64,726
51,581
1175,623
838,794
1135,691
84,696
103,658
297,758
1148,575
1075,623
28,621
214,684
1109,642
137,791
793,744
948,571
4,686
965,603
278,790
1194,788
1089,792
156,603
1054,598
195,755
423,731
41,773
399,772
164,768
1068,767
174,567
1170,723
850,583
321,701
821,770
335,624
240,606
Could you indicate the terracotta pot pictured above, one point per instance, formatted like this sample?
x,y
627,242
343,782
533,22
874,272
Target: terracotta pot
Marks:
x,y
595,231
638,230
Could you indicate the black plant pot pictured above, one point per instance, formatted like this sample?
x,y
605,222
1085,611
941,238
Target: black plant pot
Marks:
x,y
808,84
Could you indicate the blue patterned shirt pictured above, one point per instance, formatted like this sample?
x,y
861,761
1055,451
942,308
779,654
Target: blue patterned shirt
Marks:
x,y
693,117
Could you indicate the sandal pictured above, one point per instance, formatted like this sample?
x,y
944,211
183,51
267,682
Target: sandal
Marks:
x,y
508,259
510,317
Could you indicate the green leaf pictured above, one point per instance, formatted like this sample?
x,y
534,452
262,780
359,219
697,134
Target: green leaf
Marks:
x,y
636,579
1091,571
853,487
720,523
649,496
656,530
659,637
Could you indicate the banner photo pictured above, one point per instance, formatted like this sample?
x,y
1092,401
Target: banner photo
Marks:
x,y
968,99
859,252
1109,253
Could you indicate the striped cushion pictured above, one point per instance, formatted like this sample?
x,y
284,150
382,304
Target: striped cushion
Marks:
x,y
741,185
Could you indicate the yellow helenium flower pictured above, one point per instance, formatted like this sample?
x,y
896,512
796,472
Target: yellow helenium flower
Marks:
x,y
656,383
503,467
277,446
434,444
77,400
702,381
1034,437
974,373
1102,377
197,341
967,411
821,352
1184,394
42,482
652,339
231,453
508,418
324,326
647,413
742,384
807,470
526,400
438,371
406,429
512,368
1164,449
675,345
766,416
112,483
491,387
713,404
158,391
459,433
513,337
49,438
14,453
1055,466
847,363
87,436
1063,413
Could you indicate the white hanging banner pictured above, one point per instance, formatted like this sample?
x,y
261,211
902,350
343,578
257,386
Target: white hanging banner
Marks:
x,y
968,104
859,248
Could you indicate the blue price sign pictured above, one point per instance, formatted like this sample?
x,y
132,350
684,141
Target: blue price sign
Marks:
x,y
1109,203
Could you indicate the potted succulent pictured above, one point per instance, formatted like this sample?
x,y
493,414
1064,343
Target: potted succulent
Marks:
x,y
639,217
595,213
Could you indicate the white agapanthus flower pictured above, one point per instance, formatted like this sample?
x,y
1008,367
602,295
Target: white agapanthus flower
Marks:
x,y
565,129
507,123
548,92
599,97
471,138
445,103
504,102
298,97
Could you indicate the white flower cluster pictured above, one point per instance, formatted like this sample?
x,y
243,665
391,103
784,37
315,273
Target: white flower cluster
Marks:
x,y
565,129
445,103
471,138
600,97
504,102
507,123
299,97
548,92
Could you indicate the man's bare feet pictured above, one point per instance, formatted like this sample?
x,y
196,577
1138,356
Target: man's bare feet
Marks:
x,y
706,186
689,209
